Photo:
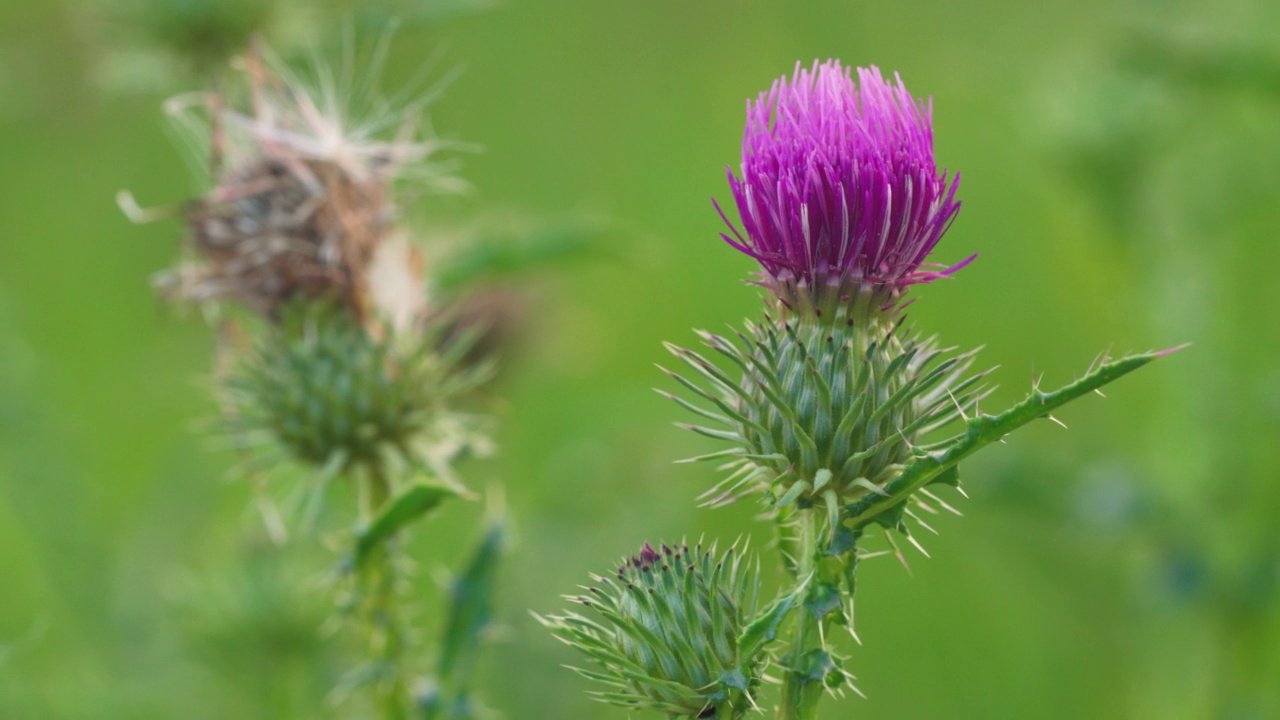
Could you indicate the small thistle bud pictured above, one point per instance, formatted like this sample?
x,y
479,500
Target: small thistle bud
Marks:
x,y
328,391
839,190
675,630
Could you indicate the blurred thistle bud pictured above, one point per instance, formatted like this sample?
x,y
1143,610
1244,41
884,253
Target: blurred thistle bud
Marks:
x,y
334,395
841,202
677,631
303,198
840,198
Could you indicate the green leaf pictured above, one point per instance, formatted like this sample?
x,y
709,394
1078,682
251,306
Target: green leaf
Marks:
x,y
950,476
764,628
470,610
842,541
734,679
823,599
403,509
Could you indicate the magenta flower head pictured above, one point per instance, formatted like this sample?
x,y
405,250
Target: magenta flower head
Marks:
x,y
839,190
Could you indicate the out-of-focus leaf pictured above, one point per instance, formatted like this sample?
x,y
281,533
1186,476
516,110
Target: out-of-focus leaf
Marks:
x,y
470,613
507,253
403,509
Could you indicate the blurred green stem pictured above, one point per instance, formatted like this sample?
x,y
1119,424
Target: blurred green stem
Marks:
x,y
802,685
380,613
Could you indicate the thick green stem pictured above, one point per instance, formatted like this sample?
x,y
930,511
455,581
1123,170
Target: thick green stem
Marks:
x,y
806,660
380,611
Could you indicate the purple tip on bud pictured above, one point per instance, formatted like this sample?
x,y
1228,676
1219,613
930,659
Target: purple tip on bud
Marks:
x,y
648,556
839,186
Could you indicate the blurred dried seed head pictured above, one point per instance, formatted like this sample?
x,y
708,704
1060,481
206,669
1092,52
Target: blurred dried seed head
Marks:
x,y
303,195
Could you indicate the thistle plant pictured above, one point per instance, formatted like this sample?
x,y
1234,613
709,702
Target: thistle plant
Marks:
x,y
346,371
838,416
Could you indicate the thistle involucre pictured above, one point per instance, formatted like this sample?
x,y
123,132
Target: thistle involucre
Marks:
x,y
823,414
673,632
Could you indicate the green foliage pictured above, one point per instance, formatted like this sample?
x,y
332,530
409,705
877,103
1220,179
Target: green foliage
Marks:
x,y
254,624
936,463
469,617
407,507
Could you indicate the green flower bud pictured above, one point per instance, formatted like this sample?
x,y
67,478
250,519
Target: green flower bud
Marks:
x,y
828,408
331,393
677,631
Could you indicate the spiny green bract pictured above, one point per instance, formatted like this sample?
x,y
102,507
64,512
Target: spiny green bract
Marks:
x,y
677,632
824,412
332,393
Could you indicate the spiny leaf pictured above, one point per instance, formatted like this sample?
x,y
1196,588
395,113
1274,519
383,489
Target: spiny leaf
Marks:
x,y
764,628
981,431
823,599
950,476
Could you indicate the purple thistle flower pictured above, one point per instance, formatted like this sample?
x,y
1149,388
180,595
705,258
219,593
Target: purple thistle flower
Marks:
x,y
839,188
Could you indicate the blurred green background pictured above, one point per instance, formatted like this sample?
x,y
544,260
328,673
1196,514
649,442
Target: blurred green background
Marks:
x,y
1120,167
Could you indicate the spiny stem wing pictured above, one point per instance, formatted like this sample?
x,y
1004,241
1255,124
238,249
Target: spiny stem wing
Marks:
x,y
983,430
